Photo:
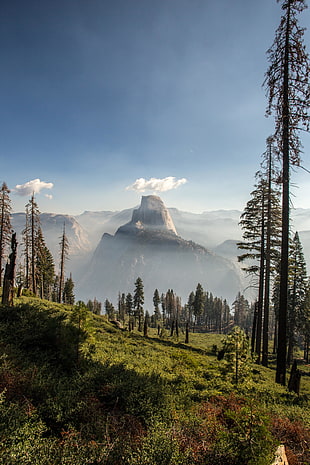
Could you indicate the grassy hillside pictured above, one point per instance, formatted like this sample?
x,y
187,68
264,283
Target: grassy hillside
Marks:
x,y
75,389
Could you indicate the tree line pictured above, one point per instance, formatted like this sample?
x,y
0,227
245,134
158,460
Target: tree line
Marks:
x,y
201,312
36,269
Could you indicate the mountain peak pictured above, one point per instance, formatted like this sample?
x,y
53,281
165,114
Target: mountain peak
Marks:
x,y
152,215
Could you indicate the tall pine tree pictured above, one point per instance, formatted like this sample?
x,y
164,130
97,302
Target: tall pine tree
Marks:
x,y
297,293
138,301
64,253
288,92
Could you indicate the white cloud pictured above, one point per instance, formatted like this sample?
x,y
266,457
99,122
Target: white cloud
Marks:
x,y
155,184
32,187
48,196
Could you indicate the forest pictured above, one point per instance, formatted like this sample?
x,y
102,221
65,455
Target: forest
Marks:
x,y
182,383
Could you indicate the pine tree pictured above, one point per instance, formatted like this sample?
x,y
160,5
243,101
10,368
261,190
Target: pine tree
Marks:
x,y
199,302
45,268
241,309
288,91
30,238
170,305
109,309
121,307
156,302
138,301
236,349
68,294
64,253
260,223
297,293
5,224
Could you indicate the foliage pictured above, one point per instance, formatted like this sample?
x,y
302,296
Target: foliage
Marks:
x,y
236,350
127,399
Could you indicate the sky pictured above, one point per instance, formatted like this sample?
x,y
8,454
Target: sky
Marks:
x,y
102,101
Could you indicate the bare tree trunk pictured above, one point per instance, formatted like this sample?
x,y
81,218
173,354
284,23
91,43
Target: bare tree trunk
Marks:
x,y
9,275
267,265
261,286
282,330
187,333
254,325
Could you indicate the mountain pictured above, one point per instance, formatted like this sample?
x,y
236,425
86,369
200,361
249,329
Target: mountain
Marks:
x,y
149,246
52,226
216,231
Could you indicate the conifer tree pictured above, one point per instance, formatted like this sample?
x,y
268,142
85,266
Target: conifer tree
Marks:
x,y
64,253
199,302
138,301
241,309
297,293
129,304
121,307
30,238
109,309
288,92
68,294
45,268
260,223
5,224
156,302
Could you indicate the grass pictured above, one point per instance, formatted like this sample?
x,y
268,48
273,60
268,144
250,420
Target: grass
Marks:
x,y
94,394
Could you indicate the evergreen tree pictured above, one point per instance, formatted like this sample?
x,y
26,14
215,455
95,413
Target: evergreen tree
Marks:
x,y
109,309
199,302
121,307
241,309
156,302
68,294
5,224
260,223
45,268
163,307
236,349
30,238
64,253
94,306
129,304
297,293
138,301
170,305
288,91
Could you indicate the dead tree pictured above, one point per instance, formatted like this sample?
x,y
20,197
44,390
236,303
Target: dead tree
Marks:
x,y
9,274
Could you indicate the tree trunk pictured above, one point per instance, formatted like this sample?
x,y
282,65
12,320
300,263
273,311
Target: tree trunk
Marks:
x,y
187,333
9,275
267,265
261,287
282,330
254,325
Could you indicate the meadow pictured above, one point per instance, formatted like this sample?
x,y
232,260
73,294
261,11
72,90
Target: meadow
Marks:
x,y
77,389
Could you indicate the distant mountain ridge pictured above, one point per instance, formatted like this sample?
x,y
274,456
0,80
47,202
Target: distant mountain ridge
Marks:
x,y
217,231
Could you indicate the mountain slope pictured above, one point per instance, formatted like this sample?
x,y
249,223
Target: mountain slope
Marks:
x,y
149,247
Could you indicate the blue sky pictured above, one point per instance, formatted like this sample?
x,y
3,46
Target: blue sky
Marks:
x,y
97,94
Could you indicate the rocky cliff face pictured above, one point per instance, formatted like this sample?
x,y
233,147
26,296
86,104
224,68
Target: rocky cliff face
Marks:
x,y
151,216
148,246
52,227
